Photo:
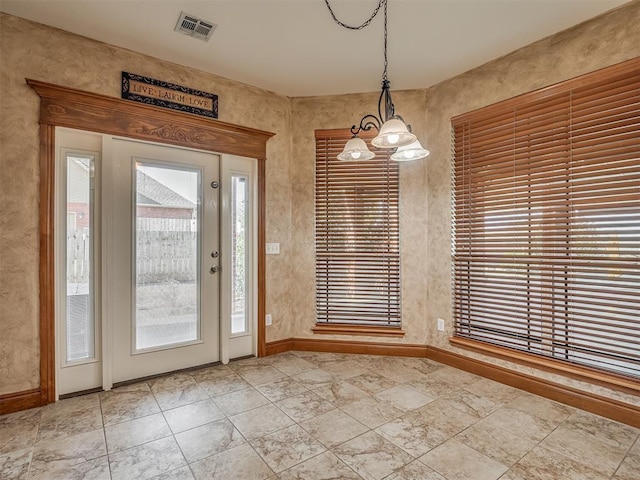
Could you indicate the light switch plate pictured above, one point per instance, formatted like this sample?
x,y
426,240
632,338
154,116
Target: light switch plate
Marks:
x,y
441,324
268,319
273,249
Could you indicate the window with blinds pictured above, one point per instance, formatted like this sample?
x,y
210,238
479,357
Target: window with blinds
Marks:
x,y
356,237
546,221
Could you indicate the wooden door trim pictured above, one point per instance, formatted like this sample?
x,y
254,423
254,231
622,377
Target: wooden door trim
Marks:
x,y
66,107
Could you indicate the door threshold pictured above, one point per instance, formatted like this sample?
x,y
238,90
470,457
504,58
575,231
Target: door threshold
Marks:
x,y
164,374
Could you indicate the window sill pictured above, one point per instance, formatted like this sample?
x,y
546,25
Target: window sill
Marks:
x,y
343,329
591,375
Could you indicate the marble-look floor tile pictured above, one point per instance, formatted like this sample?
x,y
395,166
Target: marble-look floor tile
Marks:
x,y
15,465
438,415
261,421
505,446
291,364
315,378
182,473
528,427
280,389
127,403
372,382
543,464
68,451
550,412
209,373
136,432
416,471
334,427
325,466
240,462
371,456
181,396
171,382
452,459
372,411
18,430
71,405
608,431
259,374
193,415
340,393
411,434
287,447
426,366
404,397
498,393
402,374
97,469
208,439
304,406
344,370
443,381
69,422
146,461
240,401
585,449
629,469
470,403
221,385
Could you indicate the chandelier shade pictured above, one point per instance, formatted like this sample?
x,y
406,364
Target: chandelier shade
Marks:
x,y
393,133
413,151
356,149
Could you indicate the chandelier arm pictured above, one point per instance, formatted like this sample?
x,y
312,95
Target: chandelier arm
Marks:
x,y
365,23
367,123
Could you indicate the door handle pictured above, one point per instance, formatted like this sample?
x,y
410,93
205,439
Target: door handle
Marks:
x,y
214,269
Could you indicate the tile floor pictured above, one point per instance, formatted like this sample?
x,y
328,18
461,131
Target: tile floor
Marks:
x,y
304,415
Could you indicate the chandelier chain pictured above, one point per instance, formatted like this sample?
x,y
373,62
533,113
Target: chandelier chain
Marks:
x,y
366,23
384,74
361,26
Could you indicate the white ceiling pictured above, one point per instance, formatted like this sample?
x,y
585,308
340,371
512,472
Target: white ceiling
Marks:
x,y
293,47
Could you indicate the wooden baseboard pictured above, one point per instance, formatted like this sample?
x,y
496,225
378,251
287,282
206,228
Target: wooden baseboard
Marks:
x,y
346,346
279,346
590,402
604,406
14,402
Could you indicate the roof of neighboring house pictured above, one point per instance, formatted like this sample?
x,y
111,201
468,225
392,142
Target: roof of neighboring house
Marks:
x,y
153,193
149,191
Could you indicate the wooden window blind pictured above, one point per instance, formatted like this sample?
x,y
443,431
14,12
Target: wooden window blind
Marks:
x,y
356,236
546,221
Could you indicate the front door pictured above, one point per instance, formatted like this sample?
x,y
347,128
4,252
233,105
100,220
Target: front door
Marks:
x,y
161,256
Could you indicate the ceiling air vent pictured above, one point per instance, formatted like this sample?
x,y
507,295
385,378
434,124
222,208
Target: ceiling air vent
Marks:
x,y
195,27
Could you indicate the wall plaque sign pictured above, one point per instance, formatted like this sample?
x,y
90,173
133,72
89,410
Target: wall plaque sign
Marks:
x,y
168,95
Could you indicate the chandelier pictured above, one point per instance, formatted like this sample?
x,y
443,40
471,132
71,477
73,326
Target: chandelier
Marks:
x,y
393,133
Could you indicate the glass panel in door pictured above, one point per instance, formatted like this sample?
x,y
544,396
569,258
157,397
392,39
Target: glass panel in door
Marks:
x,y
239,256
167,246
79,324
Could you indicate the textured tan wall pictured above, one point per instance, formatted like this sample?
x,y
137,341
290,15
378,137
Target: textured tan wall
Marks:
x,y
58,57
35,51
426,184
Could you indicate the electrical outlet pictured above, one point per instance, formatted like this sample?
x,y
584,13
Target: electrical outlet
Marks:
x,y
268,319
441,324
